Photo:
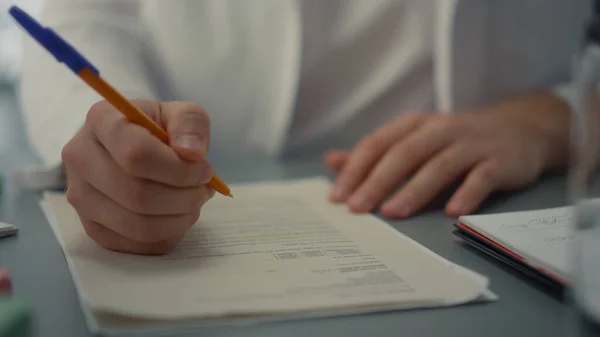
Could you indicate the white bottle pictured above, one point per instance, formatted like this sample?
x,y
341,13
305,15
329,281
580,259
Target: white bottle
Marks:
x,y
584,186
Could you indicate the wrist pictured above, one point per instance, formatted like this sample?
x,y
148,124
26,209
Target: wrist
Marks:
x,y
551,120
546,118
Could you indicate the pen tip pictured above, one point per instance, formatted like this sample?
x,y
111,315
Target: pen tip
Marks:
x,y
230,195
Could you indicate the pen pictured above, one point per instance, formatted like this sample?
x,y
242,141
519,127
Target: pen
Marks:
x,y
65,53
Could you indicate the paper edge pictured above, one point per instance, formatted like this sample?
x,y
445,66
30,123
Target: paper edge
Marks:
x,y
88,313
180,328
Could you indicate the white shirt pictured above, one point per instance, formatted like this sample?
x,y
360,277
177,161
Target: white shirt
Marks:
x,y
276,75
361,64
364,63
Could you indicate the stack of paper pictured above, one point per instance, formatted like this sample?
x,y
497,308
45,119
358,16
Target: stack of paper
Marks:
x,y
278,250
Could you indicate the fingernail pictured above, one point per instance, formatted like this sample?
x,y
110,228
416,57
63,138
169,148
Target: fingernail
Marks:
x,y
190,142
360,202
339,193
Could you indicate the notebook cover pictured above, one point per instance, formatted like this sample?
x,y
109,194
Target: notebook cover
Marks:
x,y
501,255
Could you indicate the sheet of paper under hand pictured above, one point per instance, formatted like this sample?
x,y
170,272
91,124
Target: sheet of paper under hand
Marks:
x,y
277,249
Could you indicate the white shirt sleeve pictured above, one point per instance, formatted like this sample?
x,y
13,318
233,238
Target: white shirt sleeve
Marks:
x,y
54,100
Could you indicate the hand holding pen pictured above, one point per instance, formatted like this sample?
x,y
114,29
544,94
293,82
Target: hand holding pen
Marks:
x,y
136,170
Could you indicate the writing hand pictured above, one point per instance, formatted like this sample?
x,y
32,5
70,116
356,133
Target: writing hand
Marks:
x,y
132,192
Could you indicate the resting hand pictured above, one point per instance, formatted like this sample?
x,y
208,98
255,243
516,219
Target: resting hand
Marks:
x,y
499,148
132,192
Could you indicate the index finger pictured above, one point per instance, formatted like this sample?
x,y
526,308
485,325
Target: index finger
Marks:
x,y
139,152
369,151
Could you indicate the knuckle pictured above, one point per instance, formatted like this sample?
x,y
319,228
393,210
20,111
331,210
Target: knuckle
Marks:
x,y
149,231
350,173
96,109
193,201
187,179
197,111
489,173
188,113
90,229
409,150
375,185
412,194
139,196
74,195
351,177
99,107
135,155
96,113
375,142
444,165
97,233
168,245
145,232
70,154
193,175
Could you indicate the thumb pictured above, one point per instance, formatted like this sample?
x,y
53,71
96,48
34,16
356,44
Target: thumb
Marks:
x,y
188,127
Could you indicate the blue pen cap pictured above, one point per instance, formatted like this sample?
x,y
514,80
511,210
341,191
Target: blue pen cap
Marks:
x,y
58,47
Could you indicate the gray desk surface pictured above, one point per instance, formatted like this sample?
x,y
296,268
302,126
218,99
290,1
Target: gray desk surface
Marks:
x,y
41,276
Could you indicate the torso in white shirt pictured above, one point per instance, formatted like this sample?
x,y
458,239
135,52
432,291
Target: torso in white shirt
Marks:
x,y
362,63
281,74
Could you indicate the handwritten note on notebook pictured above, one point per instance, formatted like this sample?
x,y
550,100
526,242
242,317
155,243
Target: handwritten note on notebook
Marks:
x,y
277,249
541,236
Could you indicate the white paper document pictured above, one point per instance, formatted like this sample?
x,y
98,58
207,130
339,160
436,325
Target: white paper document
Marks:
x,y
278,249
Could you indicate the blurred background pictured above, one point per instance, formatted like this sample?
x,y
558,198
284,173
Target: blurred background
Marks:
x,y
10,40
14,148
